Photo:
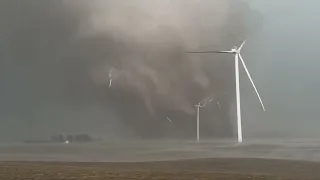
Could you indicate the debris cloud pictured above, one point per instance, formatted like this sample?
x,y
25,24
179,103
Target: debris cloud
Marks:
x,y
60,55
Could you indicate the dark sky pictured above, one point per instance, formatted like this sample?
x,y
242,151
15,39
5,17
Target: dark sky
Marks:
x,y
55,54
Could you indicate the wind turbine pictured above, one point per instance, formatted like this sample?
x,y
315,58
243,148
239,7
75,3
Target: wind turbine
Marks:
x,y
200,105
237,54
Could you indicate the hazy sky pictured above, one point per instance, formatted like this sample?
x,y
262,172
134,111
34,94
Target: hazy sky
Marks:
x,y
283,58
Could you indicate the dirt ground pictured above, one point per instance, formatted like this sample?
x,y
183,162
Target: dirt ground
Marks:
x,y
200,169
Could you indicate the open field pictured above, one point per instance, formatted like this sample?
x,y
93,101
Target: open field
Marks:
x,y
137,151
200,169
166,160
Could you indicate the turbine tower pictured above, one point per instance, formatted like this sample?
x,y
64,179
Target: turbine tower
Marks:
x,y
200,105
237,54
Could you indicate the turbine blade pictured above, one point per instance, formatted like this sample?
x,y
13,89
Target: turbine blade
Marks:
x,y
208,52
253,31
249,76
242,44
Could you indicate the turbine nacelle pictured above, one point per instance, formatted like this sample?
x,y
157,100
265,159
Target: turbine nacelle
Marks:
x,y
235,49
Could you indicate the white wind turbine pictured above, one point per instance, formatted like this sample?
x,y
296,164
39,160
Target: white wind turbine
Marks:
x,y
200,105
237,54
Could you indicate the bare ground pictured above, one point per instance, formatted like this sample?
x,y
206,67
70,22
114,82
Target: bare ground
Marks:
x,y
200,169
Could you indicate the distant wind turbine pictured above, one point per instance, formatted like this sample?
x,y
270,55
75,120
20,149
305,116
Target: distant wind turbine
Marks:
x,y
236,52
200,105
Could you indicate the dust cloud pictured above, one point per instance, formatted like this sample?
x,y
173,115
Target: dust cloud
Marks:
x,y
56,57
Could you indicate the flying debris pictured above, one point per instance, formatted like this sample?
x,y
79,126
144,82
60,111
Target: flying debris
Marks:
x,y
110,78
219,106
169,119
110,83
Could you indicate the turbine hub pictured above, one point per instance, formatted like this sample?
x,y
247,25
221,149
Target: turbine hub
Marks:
x,y
234,49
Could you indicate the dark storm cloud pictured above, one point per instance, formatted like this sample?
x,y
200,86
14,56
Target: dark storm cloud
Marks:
x,y
57,55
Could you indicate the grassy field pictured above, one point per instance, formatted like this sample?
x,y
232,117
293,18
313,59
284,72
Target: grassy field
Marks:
x,y
201,169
